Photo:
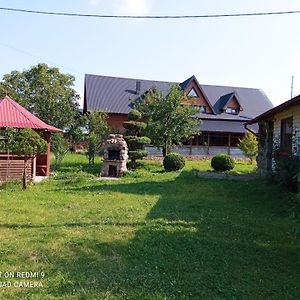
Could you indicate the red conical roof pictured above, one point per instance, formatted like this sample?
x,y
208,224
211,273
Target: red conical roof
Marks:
x,y
13,115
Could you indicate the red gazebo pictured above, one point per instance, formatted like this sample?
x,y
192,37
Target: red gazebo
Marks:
x,y
13,115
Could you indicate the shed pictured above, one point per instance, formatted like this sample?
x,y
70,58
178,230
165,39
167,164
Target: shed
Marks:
x,y
13,115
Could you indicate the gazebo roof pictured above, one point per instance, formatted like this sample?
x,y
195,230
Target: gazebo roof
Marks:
x,y
13,115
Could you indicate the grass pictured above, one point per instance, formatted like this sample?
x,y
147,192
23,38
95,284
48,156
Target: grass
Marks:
x,y
149,235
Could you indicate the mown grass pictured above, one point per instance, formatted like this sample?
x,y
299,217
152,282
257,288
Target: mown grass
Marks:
x,y
149,235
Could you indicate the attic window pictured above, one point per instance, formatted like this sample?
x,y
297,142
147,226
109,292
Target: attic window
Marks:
x,y
231,110
192,93
202,108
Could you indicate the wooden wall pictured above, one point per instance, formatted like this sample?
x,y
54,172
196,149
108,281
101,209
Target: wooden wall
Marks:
x,y
117,120
11,167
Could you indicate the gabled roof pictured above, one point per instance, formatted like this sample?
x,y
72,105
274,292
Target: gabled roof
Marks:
x,y
113,94
186,83
224,100
271,112
13,115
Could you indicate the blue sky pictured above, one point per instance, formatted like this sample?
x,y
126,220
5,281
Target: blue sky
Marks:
x,y
259,52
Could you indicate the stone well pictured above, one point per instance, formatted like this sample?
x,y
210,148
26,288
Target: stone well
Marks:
x,y
115,156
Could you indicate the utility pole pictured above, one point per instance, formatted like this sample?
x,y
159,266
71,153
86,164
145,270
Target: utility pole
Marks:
x,y
292,87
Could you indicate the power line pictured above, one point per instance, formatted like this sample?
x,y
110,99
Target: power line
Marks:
x,y
40,58
150,17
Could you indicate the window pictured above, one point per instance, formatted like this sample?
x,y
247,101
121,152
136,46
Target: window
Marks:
x,y
286,136
202,108
231,110
192,93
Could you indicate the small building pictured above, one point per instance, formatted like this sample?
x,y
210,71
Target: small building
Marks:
x,y
223,110
279,129
13,115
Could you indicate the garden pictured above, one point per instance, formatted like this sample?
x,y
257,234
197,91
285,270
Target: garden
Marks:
x,y
149,235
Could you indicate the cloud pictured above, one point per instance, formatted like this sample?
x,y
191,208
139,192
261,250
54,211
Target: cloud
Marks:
x,y
132,7
94,3
125,7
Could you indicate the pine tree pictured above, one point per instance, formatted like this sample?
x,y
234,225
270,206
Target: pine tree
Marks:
x,y
135,141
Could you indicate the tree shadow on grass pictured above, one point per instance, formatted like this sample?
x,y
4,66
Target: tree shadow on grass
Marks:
x,y
201,240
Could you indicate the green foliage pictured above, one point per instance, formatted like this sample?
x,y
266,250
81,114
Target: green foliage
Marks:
x,y
134,127
137,154
139,140
45,92
249,146
28,143
74,133
134,115
169,121
222,162
287,168
60,146
174,162
134,137
96,123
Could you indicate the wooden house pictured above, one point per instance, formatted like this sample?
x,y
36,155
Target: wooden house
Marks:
x,y
223,110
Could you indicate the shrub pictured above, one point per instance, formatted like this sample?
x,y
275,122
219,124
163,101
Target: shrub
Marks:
x,y
249,146
286,170
222,162
174,162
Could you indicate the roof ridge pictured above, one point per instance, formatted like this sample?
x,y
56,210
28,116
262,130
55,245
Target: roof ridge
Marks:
x,y
114,77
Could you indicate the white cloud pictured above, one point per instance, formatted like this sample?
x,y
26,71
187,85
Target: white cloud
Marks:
x,y
124,7
94,3
133,7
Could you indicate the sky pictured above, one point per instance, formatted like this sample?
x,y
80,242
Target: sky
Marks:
x,y
258,52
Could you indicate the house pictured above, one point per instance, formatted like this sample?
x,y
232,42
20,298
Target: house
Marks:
x,y
13,115
222,109
279,129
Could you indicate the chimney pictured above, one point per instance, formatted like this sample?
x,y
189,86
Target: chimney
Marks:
x,y
137,87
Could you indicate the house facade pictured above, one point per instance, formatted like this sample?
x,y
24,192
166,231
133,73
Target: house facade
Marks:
x,y
279,129
223,110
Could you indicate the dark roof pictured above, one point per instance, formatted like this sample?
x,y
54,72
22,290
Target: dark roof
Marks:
x,y
187,82
271,112
113,94
224,126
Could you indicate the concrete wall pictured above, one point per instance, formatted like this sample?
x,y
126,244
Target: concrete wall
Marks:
x,y
198,150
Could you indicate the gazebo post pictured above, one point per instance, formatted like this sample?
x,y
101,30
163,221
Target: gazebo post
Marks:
x,y
48,139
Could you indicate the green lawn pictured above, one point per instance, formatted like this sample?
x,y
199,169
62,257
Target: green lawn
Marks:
x,y
149,235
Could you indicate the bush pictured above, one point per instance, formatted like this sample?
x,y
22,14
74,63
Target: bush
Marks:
x,y
286,170
222,162
174,162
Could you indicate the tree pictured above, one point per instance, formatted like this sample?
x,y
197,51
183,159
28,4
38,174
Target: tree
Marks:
x,y
60,146
28,143
135,140
45,92
75,132
169,120
97,130
249,146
